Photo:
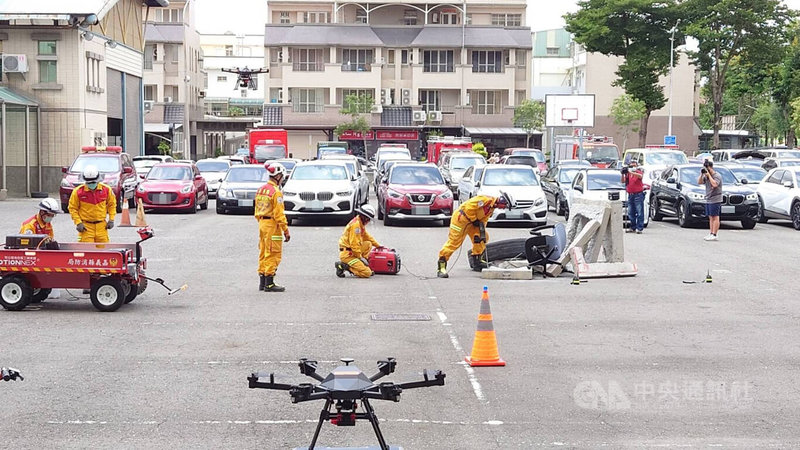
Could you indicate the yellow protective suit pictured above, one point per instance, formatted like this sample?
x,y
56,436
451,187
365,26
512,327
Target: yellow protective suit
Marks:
x,y
91,207
355,244
476,209
35,225
272,227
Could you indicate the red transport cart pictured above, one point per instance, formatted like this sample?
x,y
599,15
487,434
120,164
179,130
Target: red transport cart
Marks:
x,y
113,272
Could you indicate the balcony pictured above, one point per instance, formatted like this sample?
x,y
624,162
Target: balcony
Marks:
x,y
328,75
356,67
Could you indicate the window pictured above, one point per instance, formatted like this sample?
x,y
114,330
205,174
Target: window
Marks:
x,y
449,18
47,48
169,15
507,20
469,19
367,107
356,60
243,93
93,73
553,51
486,102
361,15
48,64
228,50
284,17
275,55
150,92
406,57
222,78
171,53
437,61
776,177
487,61
315,17
430,100
307,100
522,58
410,17
307,60
391,57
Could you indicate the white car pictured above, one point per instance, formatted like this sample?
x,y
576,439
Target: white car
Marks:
x,y
466,185
522,184
319,188
779,195
213,171
361,182
597,184
454,166
144,163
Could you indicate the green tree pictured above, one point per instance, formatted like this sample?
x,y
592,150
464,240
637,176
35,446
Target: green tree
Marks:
x,y
637,30
529,115
235,111
727,29
794,120
786,82
355,106
627,113
480,149
164,148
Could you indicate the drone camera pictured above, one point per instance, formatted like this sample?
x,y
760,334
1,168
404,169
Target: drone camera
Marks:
x,y
9,374
344,420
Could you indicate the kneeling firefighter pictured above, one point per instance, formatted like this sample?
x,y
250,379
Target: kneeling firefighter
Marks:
x,y
41,222
355,244
470,220
272,227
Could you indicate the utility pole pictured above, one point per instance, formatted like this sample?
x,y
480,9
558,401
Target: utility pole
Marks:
x,y
671,63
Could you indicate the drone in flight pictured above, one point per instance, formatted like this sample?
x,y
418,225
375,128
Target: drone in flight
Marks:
x,y
343,389
245,77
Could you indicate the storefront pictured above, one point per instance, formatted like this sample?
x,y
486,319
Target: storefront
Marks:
x,y
375,138
499,139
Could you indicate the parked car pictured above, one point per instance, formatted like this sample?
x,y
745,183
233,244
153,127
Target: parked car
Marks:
x,y
467,185
522,183
288,163
597,184
243,153
236,160
556,184
359,177
454,165
144,163
779,195
749,157
676,193
390,153
521,160
414,191
652,161
174,186
319,188
382,169
536,153
745,174
771,163
115,167
237,192
574,162
213,171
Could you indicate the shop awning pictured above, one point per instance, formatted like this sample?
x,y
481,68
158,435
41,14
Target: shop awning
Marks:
x,y
13,98
498,131
156,127
247,101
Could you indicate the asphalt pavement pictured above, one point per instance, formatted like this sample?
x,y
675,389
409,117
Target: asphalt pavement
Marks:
x,y
648,361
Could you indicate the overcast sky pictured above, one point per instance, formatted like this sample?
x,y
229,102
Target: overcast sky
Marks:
x,y
249,16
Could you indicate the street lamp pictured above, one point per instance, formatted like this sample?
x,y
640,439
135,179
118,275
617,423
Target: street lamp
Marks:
x,y
671,63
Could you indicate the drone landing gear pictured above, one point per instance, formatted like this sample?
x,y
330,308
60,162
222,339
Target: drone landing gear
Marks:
x,y
346,416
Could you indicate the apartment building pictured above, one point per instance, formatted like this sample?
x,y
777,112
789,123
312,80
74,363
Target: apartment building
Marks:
x,y
552,63
71,76
456,68
173,79
224,97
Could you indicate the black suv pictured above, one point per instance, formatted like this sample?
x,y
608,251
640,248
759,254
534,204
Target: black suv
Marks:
x,y
675,193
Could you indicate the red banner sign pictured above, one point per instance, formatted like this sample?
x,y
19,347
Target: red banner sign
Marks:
x,y
352,135
389,135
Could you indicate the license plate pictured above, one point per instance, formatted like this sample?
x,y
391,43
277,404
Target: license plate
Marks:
x,y
512,214
162,199
420,210
315,205
245,203
728,209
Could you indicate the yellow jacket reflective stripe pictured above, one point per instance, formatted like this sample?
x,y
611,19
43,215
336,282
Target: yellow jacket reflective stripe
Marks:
x,y
86,205
269,203
478,208
354,235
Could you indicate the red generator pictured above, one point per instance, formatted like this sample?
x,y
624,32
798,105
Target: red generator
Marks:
x,y
384,261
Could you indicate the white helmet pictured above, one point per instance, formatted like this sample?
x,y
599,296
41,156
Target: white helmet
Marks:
x,y
275,169
367,211
90,173
49,205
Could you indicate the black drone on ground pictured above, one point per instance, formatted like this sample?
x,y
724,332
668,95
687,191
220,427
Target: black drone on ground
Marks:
x,y
245,77
344,387
9,374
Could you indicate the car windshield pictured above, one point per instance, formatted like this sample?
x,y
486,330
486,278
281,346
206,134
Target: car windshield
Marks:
x,y
602,153
212,166
522,161
510,177
689,175
789,163
102,163
666,158
319,172
247,174
332,151
386,163
465,163
265,152
788,154
170,173
416,175
478,172
243,152
602,181
289,165
539,156
394,154
567,175
751,174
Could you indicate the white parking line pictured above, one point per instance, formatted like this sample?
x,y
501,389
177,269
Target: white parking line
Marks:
x,y
473,380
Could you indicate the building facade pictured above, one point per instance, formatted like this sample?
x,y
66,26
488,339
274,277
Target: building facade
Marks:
x,y
552,63
79,66
173,80
427,66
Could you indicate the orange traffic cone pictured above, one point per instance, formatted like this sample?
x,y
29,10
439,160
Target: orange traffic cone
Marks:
x,y
140,222
484,348
126,215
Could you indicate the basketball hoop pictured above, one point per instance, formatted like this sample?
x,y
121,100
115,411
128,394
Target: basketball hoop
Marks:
x,y
569,115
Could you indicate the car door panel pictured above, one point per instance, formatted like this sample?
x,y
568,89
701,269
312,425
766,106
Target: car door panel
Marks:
x,y
771,191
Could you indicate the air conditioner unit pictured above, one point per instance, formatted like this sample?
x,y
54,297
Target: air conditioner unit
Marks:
x,y
383,60
406,101
435,116
167,99
406,94
418,116
377,109
386,96
148,105
15,63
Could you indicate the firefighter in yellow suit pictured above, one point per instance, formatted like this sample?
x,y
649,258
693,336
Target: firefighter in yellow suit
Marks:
x,y
355,244
92,206
272,228
41,222
470,220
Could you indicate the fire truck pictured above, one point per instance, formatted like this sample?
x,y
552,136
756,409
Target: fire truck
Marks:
x,y
438,145
600,151
268,143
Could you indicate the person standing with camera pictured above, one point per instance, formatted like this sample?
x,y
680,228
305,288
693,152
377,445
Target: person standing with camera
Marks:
x,y
713,183
632,177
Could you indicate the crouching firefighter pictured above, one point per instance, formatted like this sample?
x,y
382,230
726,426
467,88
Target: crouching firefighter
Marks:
x,y
355,244
470,220
272,228
41,222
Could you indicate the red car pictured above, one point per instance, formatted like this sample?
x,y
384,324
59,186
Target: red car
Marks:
x,y
116,169
414,191
175,186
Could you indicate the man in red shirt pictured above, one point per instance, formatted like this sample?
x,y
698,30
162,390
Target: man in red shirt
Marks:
x,y
632,177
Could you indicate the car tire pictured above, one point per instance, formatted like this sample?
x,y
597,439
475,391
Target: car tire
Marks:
x,y
762,216
132,293
559,208
386,219
505,249
119,203
683,215
142,286
749,224
796,214
654,211
220,210
380,212
65,207
204,205
566,212
40,295
15,293
446,222
107,294
193,208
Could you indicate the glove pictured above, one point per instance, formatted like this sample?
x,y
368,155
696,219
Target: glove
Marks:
x,y
109,224
80,227
476,239
286,237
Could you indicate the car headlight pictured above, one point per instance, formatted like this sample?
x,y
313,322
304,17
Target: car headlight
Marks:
x,y
65,183
186,189
752,196
394,194
696,196
344,193
224,193
289,194
446,194
141,189
538,202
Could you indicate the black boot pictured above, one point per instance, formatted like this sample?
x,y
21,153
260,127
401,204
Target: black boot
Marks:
x,y
270,286
475,263
339,269
442,271
262,281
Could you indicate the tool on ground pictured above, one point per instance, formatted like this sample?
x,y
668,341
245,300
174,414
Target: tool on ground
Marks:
x,y
575,281
343,389
708,279
10,374
384,260
484,347
171,291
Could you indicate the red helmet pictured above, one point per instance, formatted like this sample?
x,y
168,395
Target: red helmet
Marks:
x,y
275,169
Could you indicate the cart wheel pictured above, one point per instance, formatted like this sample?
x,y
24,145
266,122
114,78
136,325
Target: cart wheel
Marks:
x,y
15,293
39,295
142,285
107,294
132,293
